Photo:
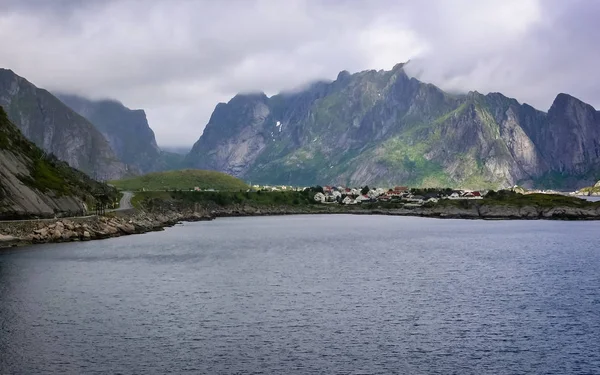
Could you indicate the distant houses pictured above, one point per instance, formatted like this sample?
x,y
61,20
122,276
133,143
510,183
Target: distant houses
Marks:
x,y
409,197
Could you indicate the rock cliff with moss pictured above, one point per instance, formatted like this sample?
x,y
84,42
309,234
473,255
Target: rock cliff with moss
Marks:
x,y
384,127
57,129
36,185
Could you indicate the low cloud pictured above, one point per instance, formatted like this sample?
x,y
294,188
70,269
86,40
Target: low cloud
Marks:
x,y
177,59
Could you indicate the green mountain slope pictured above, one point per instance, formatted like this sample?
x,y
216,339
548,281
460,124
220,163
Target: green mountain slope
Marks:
x,y
182,180
33,184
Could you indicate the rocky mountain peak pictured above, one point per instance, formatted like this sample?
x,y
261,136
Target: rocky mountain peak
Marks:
x,y
569,106
344,74
384,127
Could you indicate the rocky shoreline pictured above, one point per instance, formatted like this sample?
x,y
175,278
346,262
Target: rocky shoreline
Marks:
x,y
20,233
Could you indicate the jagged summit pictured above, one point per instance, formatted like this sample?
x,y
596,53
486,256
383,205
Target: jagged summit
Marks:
x,y
382,127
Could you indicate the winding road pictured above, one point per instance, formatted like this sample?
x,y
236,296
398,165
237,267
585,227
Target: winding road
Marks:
x,y
125,203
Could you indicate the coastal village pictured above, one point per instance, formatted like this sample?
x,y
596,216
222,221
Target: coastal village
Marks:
x,y
350,196
410,197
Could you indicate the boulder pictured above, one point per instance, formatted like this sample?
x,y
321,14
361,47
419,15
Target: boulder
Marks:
x,y
109,229
86,235
4,238
43,232
127,228
69,234
57,234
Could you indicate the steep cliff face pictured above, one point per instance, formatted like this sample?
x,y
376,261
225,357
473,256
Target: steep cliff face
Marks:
x,y
55,128
383,127
235,137
126,130
569,140
35,185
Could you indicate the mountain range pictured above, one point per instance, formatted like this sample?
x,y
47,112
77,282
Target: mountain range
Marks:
x,y
384,127
372,127
102,138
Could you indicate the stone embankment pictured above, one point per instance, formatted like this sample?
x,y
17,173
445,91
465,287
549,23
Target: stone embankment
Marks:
x,y
497,212
17,233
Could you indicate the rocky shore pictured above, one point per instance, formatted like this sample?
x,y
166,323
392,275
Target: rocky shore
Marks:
x,y
18,233
26,232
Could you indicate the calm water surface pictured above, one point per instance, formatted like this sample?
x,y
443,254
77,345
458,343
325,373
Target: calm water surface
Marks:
x,y
309,295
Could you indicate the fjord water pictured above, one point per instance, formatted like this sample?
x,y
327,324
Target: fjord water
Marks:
x,y
309,294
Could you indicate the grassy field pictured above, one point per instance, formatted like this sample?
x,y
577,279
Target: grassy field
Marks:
x,y
185,179
305,198
507,198
224,199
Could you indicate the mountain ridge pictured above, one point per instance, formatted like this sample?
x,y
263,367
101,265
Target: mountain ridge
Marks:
x,y
386,127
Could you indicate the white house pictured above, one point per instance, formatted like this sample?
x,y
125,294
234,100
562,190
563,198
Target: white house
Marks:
x,y
362,198
373,193
320,197
348,200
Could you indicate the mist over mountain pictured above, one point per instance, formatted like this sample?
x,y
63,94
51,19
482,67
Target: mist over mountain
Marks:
x,y
383,127
127,131
57,129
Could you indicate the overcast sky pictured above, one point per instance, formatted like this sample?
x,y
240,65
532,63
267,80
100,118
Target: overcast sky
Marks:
x,y
177,59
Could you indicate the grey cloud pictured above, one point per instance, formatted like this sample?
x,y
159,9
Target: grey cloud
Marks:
x,y
178,58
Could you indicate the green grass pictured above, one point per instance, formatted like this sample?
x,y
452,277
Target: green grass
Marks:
x,y
540,200
150,199
511,199
139,198
408,156
185,179
47,178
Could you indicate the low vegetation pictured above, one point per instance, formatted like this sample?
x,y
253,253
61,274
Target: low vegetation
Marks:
x,y
306,199
186,179
512,199
224,199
